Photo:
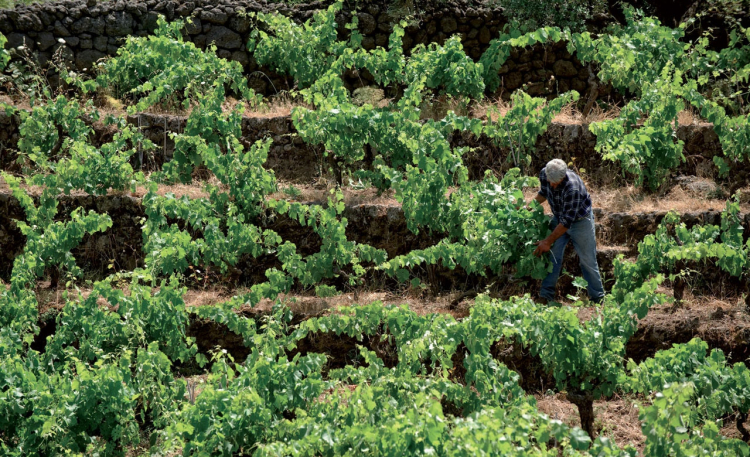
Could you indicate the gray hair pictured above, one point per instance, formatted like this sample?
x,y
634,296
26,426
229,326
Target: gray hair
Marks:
x,y
556,170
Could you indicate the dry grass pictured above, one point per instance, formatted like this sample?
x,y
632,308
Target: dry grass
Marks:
x,y
494,109
279,106
634,200
436,108
490,109
612,199
310,305
690,116
321,191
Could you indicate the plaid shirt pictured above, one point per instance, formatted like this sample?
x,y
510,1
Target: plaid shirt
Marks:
x,y
570,201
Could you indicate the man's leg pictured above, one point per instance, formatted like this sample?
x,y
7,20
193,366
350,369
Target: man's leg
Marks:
x,y
549,284
583,235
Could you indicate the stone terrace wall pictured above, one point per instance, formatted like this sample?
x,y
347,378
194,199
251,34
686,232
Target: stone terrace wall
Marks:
x,y
84,31
294,160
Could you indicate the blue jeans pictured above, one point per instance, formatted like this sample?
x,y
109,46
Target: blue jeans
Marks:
x,y
582,234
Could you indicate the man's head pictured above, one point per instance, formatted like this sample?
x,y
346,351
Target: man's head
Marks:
x,y
556,171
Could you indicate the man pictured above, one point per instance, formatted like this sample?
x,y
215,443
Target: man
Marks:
x,y
573,221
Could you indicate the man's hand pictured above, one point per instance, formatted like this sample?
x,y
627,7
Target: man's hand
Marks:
x,y
542,247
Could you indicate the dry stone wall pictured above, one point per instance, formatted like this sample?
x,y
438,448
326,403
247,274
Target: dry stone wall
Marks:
x,y
294,160
81,32
382,226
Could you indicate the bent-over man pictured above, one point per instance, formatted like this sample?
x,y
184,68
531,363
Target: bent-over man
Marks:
x,y
573,220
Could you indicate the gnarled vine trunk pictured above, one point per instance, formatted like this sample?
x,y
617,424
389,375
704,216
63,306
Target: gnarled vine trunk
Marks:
x,y
585,403
741,418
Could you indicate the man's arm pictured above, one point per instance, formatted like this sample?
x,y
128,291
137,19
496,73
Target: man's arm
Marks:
x,y
539,199
546,244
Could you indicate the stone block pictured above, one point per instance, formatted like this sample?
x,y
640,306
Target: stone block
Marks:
x,y
484,35
88,58
367,23
241,57
45,40
513,80
60,30
72,41
119,23
214,16
193,26
100,43
239,24
19,39
381,40
185,9
564,68
448,24
29,22
224,38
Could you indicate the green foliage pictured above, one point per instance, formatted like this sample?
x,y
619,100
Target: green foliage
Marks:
x,y
673,247
648,149
716,389
650,61
669,426
487,229
4,54
142,318
561,13
446,67
306,52
106,377
499,50
632,55
163,67
519,129
45,129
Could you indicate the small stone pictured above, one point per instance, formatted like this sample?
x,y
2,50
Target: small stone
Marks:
x,y
484,35
431,28
60,30
66,54
367,23
564,68
193,26
241,57
87,59
563,85
512,80
381,40
239,24
579,86
200,41
45,40
224,38
185,9
72,41
100,43
368,43
215,16
448,24
119,23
